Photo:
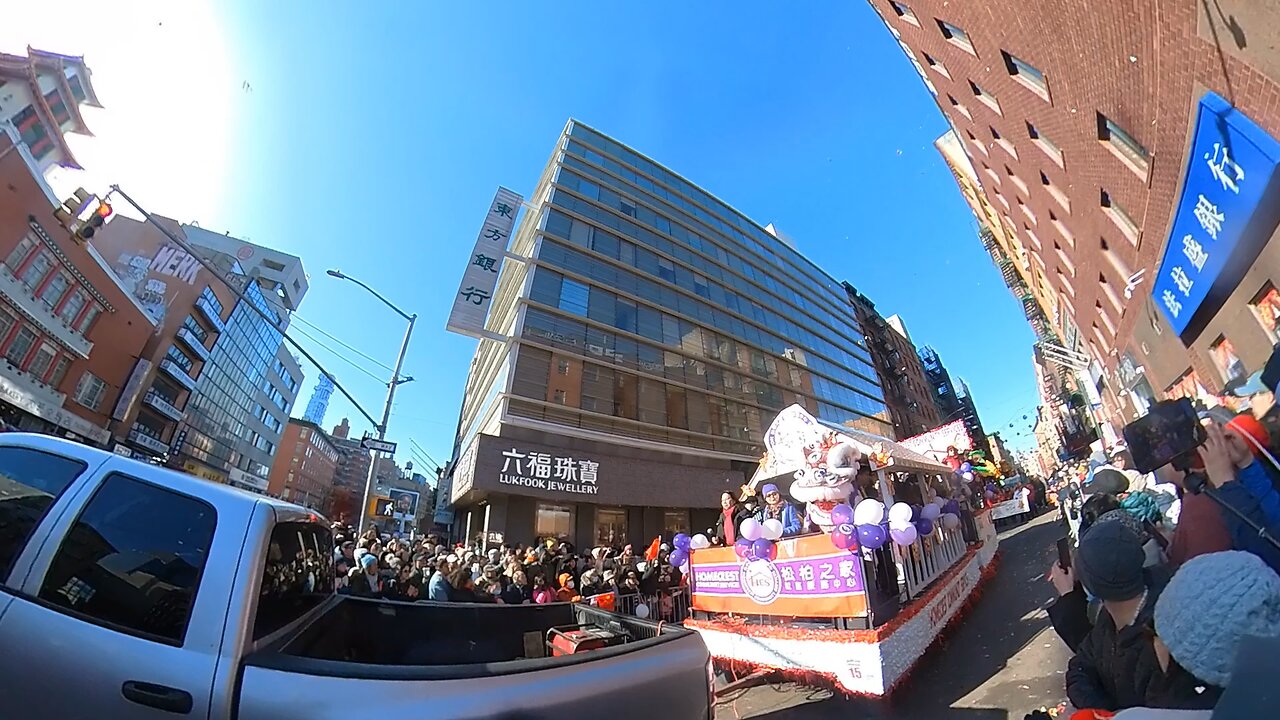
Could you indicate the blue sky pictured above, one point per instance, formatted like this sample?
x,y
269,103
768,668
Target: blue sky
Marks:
x,y
371,136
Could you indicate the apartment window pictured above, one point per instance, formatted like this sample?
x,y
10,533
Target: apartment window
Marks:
x,y
37,271
72,307
904,12
1062,229
1119,216
77,88
89,390
1066,261
86,322
21,252
42,361
1054,192
59,371
20,346
33,132
956,36
53,292
58,107
573,297
7,322
1027,211
1045,144
1108,290
1124,146
1027,74
667,270
937,65
956,104
991,173
559,397
976,143
984,97
1003,142
1016,180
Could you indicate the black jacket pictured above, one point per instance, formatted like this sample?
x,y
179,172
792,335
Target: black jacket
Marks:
x,y
740,513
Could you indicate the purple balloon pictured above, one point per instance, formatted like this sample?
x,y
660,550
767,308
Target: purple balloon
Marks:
x,y
764,549
678,557
842,514
872,536
924,526
681,541
915,513
965,467
904,535
742,547
844,537
951,507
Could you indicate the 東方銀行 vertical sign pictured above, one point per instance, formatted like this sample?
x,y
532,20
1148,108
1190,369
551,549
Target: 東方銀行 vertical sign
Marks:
x,y
480,279
1222,219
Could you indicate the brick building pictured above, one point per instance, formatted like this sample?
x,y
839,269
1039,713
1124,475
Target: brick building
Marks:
x,y
351,474
69,333
305,464
907,391
1080,140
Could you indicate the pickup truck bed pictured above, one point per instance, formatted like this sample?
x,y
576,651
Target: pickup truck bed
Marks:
x,y
358,649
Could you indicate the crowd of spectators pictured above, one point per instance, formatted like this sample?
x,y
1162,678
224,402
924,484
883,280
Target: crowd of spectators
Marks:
x,y
1168,585
376,564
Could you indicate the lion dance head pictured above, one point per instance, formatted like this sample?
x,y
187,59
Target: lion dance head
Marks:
x,y
826,480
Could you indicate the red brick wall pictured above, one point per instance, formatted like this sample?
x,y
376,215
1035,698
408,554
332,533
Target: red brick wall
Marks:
x,y
1142,64
119,334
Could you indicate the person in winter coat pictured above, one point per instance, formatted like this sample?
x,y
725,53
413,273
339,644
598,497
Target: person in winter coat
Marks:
x,y
518,592
1114,664
777,508
567,592
462,589
1242,483
732,513
438,585
591,584
542,591
366,581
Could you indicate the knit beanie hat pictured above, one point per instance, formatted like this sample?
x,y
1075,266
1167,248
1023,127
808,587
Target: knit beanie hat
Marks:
x,y
1109,560
1212,602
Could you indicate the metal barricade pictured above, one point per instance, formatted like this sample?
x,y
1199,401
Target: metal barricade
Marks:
x,y
926,559
671,605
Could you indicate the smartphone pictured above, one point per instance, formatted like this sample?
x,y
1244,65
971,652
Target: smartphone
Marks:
x,y
1170,429
1064,553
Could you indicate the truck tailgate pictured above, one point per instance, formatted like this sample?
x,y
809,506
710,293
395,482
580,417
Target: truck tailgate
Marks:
x,y
664,679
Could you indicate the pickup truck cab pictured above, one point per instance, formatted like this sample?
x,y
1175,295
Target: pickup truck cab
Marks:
x,y
132,591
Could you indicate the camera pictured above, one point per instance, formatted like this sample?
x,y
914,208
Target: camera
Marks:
x,y
1168,434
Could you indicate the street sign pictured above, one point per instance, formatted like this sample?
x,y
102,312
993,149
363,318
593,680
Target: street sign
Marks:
x,y
371,443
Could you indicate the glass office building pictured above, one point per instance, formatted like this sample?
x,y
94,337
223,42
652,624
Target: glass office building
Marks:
x,y
655,332
243,397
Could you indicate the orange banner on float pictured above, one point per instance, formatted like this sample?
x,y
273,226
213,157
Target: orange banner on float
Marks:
x,y
810,577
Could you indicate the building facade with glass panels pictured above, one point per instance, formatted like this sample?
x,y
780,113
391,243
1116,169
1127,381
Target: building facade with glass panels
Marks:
x,y
655,334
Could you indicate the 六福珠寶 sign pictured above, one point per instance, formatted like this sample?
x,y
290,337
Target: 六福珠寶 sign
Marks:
x,y
1222,218
554,473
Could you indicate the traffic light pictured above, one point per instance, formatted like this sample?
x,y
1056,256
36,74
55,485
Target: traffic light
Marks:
x,y
75,206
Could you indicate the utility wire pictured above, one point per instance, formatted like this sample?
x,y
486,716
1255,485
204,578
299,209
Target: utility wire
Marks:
x,y
340,356
322,331
424,452
241,296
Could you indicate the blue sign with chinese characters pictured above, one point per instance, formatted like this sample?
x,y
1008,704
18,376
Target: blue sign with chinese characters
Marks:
x,y
1219,227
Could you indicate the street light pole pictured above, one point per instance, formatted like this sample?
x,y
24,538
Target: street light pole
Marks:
x,y
396,381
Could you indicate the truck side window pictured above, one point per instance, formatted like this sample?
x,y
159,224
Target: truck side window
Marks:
x,y
133,559
30,482
297,575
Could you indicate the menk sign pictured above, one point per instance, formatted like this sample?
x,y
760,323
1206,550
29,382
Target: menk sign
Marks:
x,y
1225,215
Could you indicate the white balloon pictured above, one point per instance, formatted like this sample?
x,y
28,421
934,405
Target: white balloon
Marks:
x,y
699,541
868,512
771,529
899,514
642,611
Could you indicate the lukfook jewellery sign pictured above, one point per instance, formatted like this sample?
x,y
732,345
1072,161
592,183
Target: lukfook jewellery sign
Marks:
x,y
549,472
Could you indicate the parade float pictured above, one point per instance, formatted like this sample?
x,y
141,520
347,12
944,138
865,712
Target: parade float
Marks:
x,y
855,603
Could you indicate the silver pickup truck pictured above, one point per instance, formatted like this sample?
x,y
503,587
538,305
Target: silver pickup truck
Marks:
x,y
131,591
